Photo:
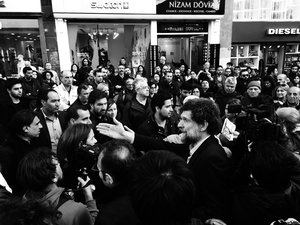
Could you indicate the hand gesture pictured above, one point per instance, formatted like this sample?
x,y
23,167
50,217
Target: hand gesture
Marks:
x,y
87,188
116,131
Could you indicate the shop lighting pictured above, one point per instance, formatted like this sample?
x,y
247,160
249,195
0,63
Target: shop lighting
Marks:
x,y
264,46
12,34
115,35
29,34
278,46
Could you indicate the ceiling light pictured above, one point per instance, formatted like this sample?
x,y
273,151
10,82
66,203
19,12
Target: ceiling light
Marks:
x,y
115,35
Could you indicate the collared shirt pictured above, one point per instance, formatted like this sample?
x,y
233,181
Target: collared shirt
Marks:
x,y
66,97
55,130
193,148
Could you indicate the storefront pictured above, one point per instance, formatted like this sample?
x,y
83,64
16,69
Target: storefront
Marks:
x,y
264,44
20,35
140,31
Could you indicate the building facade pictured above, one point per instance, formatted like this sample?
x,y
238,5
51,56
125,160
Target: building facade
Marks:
x,y
266,33
139,30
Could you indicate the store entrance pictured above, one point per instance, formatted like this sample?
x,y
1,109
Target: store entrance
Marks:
x,y
191,49
273,54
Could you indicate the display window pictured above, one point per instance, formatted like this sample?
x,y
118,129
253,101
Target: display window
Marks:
x,y
19,42
100,42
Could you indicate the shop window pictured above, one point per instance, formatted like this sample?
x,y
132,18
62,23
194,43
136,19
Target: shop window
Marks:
x,y
292,55
245,55
19,42
103,41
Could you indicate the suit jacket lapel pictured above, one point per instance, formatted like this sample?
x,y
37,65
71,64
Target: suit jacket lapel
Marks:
x,y
202,147
44,124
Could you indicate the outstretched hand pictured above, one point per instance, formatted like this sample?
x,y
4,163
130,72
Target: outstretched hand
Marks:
x,y
116,131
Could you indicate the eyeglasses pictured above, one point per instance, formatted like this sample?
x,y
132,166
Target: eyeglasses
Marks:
x,y
96,169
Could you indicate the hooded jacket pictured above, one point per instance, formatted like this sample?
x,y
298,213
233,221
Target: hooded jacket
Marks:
x,y
73,213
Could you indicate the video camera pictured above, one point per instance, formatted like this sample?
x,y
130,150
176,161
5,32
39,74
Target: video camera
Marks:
x,y
255,123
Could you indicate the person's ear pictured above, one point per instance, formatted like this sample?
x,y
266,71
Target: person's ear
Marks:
x,y
108,179
203,126
157,108
55,179
25,129
72,121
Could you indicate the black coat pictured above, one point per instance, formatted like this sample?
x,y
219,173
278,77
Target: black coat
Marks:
x,y
254,205
134,113
117,210
150,128
11,153
210,167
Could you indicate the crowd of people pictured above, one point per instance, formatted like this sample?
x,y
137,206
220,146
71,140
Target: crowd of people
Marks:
x,y
113,145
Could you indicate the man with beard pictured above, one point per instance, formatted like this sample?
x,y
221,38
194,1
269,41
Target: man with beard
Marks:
x,y
242,82
161,124
30,87
293,72
52,120
98,108
12,102
200,121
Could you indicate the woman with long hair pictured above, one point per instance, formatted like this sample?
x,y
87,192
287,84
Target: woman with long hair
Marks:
x,y
74,71
141,71
76,152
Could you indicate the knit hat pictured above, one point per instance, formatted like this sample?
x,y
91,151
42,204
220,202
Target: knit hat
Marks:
x,y
255,83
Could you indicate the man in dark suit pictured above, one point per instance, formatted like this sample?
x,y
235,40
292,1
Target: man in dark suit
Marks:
x,y
52,120
200,121
115,165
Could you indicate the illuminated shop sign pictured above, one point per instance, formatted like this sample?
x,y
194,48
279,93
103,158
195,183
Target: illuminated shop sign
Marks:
x,y
182,27
200,7
104,6
110,5
283,31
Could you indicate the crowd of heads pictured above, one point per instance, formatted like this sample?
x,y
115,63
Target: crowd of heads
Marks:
x,y
162,190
